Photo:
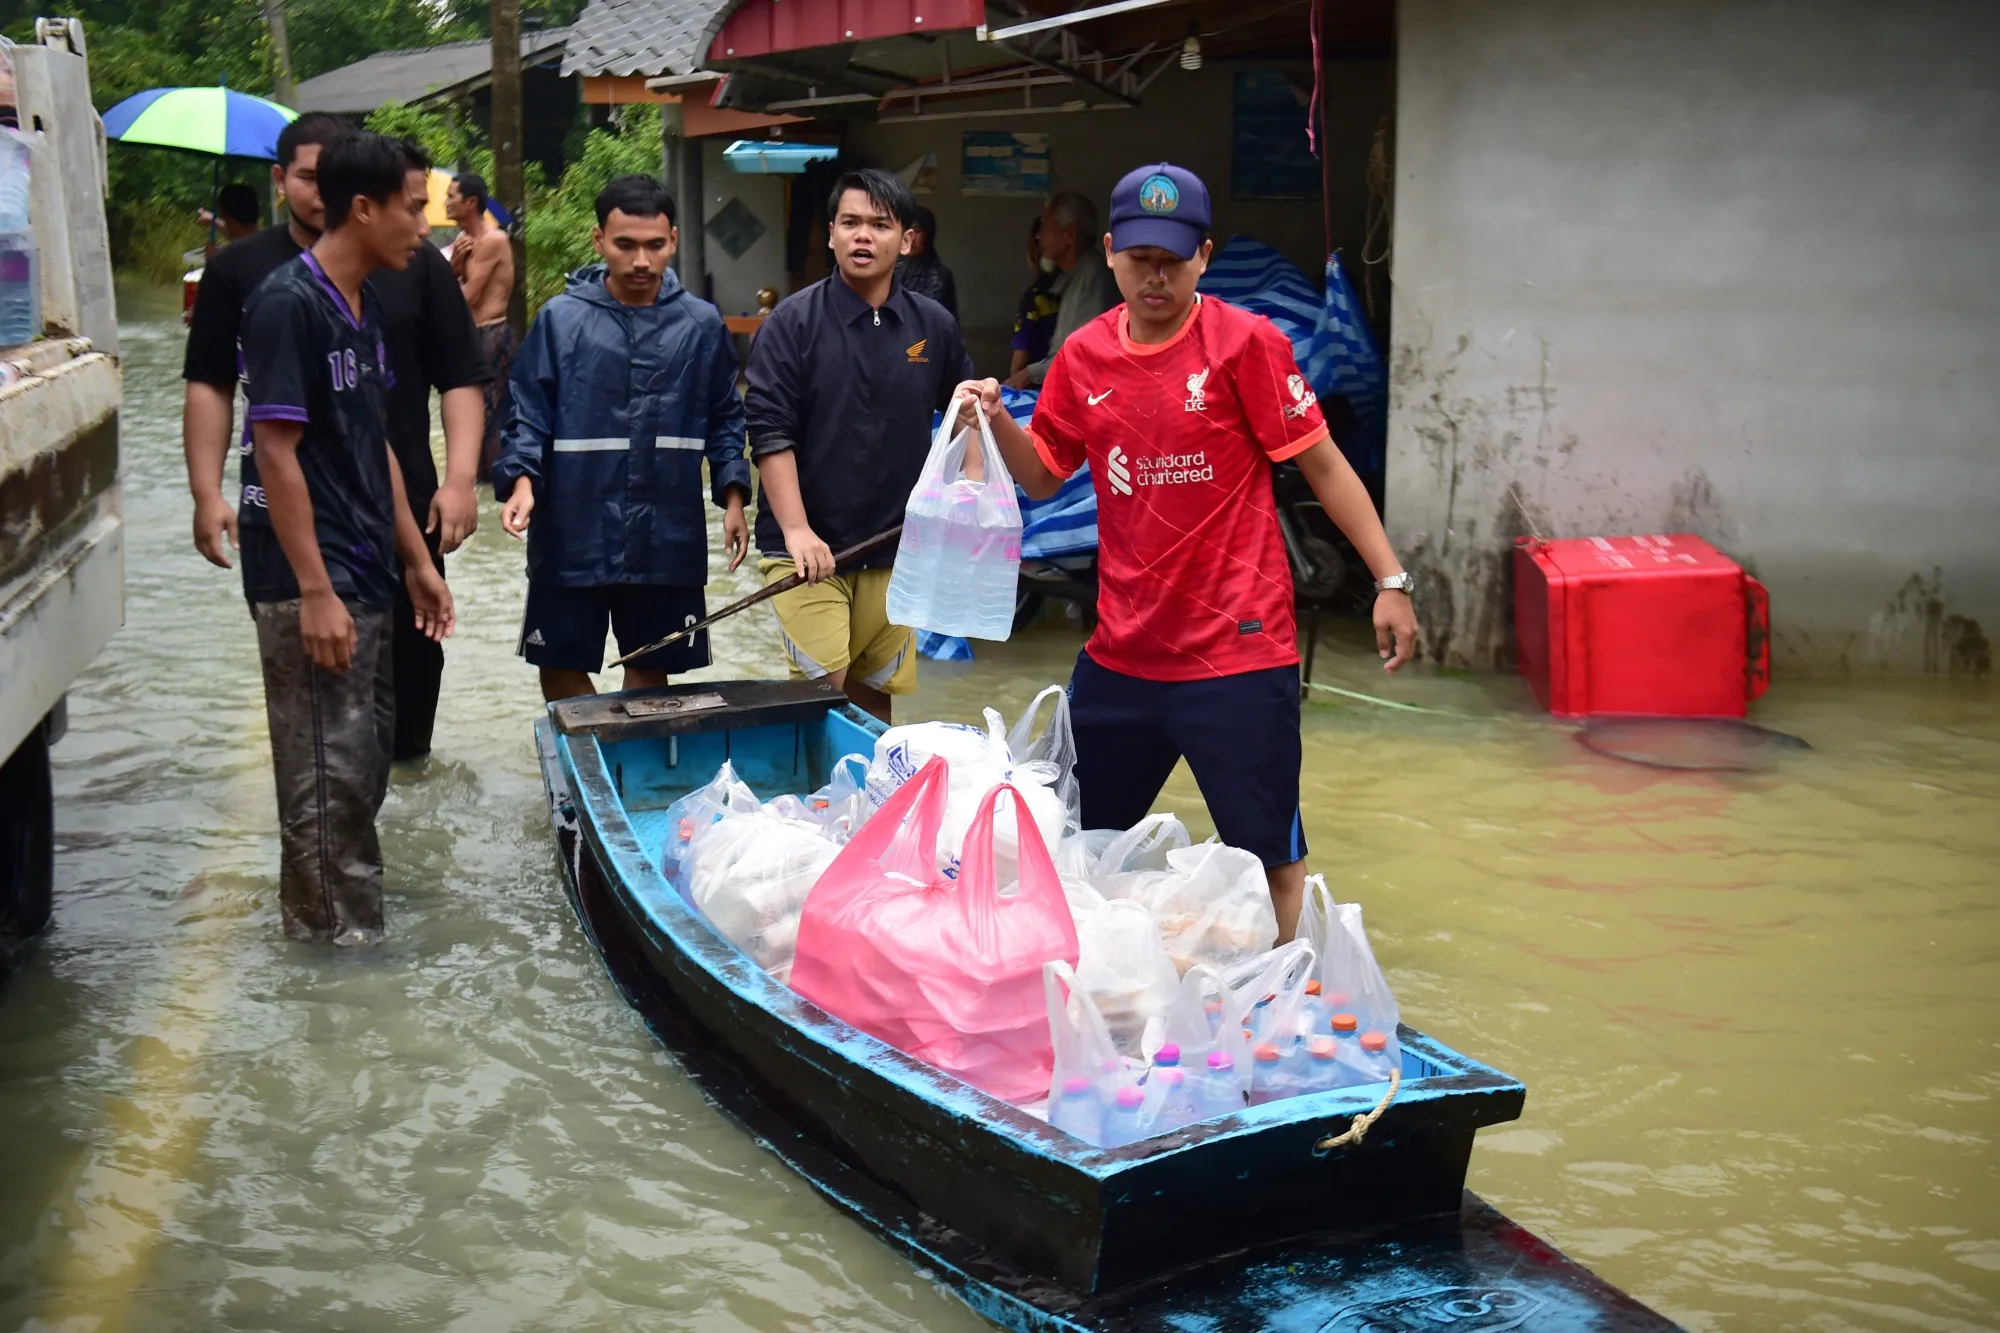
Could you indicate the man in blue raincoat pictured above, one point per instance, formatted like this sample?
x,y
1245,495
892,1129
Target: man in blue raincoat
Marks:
x,y
625,383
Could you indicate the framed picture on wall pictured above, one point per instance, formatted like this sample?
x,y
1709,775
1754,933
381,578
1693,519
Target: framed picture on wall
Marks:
x,y
1270,155
997,162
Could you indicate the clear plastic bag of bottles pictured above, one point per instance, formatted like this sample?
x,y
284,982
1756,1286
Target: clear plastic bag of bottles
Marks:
x,y
1355,1006
959,558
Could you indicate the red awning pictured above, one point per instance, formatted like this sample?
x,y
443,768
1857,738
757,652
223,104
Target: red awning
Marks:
x,y
765,27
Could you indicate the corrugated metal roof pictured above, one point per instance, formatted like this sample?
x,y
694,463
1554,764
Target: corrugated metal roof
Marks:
x,y
650,37
410,76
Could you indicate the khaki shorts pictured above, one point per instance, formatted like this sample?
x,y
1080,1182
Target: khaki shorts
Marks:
x,y
842,623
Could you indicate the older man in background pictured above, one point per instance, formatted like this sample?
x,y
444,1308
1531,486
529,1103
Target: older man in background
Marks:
x,y
483,259
1085,288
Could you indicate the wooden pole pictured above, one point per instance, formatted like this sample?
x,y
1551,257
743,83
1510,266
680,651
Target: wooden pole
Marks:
x,y
508,180
283,90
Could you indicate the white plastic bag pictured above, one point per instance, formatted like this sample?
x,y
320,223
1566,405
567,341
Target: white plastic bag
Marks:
x,y
979,761
1144,846
1212,903
1053,745
1088,1072
749,873
725,793
1122,962
959,560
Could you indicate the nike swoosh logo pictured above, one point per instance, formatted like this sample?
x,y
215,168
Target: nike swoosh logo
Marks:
x,y
1095,399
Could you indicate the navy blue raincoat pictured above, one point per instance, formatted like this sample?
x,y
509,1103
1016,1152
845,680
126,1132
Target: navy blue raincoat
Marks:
x,y
614,409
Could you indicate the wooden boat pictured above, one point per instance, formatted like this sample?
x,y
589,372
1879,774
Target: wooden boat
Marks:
x,y
1240,1222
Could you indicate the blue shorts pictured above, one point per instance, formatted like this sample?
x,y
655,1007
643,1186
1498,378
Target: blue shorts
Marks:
x,y
1239,734
564,627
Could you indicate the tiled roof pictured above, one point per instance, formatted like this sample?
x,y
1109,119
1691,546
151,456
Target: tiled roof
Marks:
x,y
651,37
409,76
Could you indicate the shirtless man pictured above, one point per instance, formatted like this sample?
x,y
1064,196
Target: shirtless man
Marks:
x,y
483,259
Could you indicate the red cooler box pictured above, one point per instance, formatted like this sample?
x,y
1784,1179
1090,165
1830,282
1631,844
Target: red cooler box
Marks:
x,y
1655,626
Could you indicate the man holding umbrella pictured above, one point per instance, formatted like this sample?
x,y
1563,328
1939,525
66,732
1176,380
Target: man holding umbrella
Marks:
x,y
431,344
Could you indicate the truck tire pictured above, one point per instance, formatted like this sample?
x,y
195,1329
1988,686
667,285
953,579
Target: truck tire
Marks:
x,y
27,848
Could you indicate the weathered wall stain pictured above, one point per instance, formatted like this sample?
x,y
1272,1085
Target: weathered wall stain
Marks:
x,y
1949,643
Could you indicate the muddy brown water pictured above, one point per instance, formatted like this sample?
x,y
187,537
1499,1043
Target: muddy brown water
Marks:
x,y
1758,1015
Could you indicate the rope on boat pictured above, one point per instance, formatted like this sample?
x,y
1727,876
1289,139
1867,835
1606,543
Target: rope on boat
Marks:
x,y
1362,1123
1372,699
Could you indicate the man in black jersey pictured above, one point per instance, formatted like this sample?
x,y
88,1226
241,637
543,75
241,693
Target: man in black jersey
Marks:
x,y
432,345
322,523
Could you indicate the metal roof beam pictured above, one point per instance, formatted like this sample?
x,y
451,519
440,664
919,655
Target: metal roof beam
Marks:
x,y
1070,19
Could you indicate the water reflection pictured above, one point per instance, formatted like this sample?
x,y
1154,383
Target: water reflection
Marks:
x,y
1755,1012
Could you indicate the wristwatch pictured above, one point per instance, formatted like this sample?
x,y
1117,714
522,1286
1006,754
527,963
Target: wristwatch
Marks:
x,y
1402,582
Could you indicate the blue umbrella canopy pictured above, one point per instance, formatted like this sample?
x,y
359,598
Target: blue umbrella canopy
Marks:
x,y
218,121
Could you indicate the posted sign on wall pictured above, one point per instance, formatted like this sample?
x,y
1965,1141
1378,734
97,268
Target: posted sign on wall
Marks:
x,y
1003,163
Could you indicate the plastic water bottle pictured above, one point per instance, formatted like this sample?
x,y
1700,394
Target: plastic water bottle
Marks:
x,y
1170,1100
1312,1009
1076,1110
1218,1092
1167,1056
1122,1120
1376,1061
1322,1067
1266,1074
20,288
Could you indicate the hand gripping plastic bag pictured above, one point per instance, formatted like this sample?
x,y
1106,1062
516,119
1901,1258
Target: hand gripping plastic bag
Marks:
x,y
1122,963
749,873
959,559
1213,903
979,761
950,972
1351,981
725,793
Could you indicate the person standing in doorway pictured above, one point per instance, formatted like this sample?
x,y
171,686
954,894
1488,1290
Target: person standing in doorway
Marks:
x,y
844,377
922,269
626,382
431,346
1180,404
324,521
1085,288
483,259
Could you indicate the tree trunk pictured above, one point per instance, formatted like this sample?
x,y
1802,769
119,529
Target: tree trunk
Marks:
x,y
282,88
508,182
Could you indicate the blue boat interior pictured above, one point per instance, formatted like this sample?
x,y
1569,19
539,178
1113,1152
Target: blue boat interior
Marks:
x,y
647,774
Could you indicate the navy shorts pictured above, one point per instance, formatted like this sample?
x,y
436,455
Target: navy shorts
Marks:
x,y
564,627
1239,734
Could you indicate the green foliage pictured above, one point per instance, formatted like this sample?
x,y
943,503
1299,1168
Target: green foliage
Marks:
x,y
559,221
452,143
156,239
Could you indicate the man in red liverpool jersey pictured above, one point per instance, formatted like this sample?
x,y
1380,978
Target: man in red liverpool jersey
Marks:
x,y
1180,404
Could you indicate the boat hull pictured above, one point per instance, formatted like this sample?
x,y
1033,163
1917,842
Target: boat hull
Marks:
x,y
1017,1236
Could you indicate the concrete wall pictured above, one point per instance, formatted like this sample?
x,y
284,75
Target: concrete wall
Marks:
x,y
763,265
1185,119
1727,266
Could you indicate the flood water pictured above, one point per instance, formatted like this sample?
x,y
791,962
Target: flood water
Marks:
x,y
1758,1015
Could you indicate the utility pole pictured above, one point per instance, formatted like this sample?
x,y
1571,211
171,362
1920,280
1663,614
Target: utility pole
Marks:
x,y
282,88
508,181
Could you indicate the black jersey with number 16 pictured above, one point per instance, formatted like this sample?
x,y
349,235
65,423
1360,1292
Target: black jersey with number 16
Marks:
x,y
308,358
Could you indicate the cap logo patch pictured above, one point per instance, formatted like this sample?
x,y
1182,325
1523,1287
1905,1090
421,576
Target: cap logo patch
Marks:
x,y
1158,195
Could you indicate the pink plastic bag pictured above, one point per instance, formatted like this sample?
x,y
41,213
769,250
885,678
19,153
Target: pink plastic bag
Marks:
x,y
948,971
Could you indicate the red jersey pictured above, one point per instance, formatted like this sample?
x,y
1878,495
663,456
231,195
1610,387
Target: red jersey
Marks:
x,y
1180,437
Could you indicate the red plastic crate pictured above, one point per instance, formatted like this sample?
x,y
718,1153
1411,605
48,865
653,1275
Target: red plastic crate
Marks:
x,y
1650,626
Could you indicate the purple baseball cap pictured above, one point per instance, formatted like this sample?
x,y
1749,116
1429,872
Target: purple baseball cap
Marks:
x,y
1162,205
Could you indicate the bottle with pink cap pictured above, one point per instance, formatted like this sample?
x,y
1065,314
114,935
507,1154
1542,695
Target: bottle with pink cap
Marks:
x,y
1123,1121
